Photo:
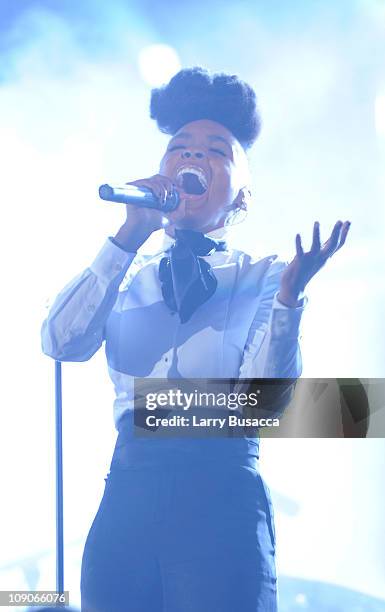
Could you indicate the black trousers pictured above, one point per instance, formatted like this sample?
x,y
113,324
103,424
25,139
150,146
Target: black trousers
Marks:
x,y
184,525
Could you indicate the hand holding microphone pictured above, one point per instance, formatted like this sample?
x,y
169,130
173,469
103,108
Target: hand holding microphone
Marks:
x,y
131,193
148,208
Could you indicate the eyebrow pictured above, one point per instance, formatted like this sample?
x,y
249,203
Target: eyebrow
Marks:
x,y
210,137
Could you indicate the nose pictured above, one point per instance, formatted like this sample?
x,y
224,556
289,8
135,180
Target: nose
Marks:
x,y
188,154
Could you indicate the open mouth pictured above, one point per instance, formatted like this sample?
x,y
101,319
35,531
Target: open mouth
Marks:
x,y
192,180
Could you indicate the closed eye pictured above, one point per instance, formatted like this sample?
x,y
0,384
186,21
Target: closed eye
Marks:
x,y
175,147
218,151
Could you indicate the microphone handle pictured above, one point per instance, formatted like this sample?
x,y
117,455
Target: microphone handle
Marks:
x,y
139,196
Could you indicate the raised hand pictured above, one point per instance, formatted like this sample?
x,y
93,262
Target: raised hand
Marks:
x,y
306,264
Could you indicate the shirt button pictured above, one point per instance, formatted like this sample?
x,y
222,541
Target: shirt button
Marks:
x,y
118,267
91,307
166,358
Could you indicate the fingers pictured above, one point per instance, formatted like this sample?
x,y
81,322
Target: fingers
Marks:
x,y
166,186
344,233
316,244
336,240
161,186
334,243
298,245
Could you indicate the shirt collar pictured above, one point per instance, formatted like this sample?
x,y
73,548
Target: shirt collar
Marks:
x,y
159,241
221,233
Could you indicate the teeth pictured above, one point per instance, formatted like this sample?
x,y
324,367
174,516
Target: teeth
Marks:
x,y
193,170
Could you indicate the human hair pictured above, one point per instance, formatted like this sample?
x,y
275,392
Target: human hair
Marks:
x,y
194,93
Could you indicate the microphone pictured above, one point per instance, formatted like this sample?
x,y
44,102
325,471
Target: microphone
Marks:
x,y
139,196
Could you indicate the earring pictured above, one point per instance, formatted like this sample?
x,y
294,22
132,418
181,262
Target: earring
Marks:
x,y
243,205
236,217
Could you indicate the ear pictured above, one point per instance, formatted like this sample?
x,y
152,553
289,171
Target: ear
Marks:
x,y
243,199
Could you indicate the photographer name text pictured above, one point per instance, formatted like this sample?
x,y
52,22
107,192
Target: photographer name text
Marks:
x,y
231,420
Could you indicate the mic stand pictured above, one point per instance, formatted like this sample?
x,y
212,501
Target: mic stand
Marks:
x,y
59,479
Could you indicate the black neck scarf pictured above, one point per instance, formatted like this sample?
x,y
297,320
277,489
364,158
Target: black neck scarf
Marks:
x,y
187,280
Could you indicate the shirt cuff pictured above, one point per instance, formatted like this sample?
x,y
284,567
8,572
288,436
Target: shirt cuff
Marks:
x,y
285,321
111,262
116,243
277,304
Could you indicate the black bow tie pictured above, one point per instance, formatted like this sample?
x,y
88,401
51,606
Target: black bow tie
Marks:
x,y
187,279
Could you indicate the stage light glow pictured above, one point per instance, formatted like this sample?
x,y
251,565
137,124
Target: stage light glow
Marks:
x,y
379,114
301,600
158,63
374,9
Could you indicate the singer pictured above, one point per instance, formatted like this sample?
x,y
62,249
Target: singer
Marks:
x,y
187,524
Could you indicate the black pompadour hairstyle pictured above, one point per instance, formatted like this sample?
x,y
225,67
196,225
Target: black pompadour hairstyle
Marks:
x,y
194,93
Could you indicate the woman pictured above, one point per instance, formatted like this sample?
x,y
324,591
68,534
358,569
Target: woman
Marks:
x,y
186,524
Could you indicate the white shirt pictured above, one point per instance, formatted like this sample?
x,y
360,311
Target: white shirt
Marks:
x,y
242,331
